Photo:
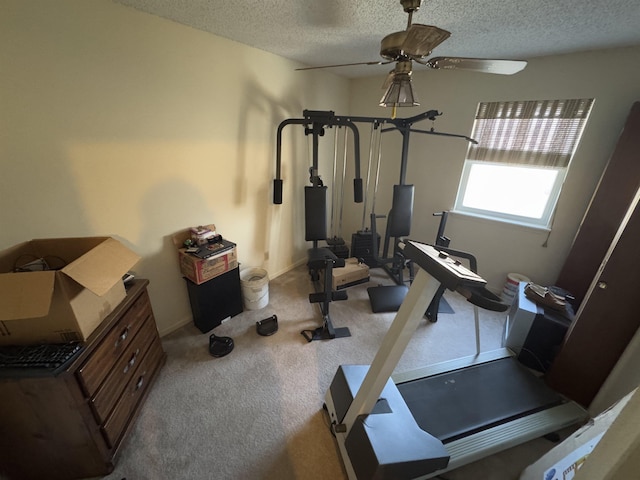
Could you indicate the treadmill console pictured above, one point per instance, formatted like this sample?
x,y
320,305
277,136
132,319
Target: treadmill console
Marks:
x,y
448,271
453,275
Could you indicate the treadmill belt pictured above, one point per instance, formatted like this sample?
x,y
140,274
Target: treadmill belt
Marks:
x,y
453,405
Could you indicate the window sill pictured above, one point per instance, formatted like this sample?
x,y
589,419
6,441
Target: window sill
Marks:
x,y
538,228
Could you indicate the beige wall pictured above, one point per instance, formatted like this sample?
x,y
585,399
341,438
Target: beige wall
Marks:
x,y
435,163
115,122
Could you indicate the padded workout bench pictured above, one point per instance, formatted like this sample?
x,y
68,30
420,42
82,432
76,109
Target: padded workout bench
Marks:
x,y
321,262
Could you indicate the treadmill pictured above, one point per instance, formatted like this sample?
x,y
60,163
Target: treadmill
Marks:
x,y
434,419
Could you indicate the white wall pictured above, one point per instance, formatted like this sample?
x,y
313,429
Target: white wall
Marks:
x,y
116,122
435,163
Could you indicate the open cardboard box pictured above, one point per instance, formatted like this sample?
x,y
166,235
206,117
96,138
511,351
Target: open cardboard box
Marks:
x,y
67,302
200,270
606,448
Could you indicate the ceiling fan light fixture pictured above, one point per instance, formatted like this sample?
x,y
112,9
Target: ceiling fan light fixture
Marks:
x,y
400,92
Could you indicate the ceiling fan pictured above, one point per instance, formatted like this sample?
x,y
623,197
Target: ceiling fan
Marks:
x,y
415,44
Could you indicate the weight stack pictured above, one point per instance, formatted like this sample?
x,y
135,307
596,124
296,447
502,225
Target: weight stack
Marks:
x,y
362,247
340,251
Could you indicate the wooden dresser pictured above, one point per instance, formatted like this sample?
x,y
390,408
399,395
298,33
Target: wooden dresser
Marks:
x,y
72,424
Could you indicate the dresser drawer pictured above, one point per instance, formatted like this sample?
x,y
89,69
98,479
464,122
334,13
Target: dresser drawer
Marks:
x,y
134,391
94,371
111,389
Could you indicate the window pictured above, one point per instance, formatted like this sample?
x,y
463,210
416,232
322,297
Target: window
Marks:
x,y
516,170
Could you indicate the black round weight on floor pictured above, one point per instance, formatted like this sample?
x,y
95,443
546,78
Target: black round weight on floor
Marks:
x,y
220,346
268,326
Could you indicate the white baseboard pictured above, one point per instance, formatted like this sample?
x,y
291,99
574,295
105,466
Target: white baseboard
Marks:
x,y
175,326
287,269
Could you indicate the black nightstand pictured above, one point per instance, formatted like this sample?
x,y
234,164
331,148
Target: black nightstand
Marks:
x,y
215,299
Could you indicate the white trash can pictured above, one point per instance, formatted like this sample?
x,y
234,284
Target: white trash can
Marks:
x,y
254,283
511,286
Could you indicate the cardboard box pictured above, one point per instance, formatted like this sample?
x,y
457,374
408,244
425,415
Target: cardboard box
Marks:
x,y
67,302
200,270
353,273
606,448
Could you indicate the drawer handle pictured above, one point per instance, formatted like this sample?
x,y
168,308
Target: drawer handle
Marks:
x,y
131,362
140,383
123,336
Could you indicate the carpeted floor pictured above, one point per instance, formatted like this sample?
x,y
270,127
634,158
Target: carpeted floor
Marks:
x,y
257,413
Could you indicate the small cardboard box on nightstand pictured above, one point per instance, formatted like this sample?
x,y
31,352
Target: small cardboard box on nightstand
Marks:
x,y
59,290
200,270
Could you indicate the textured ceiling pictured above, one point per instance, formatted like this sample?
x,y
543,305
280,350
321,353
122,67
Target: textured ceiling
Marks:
x,y
322,32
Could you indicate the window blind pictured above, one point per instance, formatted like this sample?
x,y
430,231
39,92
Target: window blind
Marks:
x,y
543,133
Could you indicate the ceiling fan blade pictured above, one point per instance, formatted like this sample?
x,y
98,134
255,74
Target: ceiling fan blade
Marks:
x,y
422,39
345,65
484,65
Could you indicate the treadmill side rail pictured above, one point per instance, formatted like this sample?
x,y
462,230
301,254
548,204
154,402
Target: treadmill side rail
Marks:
x,y
488,442
450,365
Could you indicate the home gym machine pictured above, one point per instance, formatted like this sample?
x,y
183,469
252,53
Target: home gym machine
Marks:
x,y
387,298
321,259
437,418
